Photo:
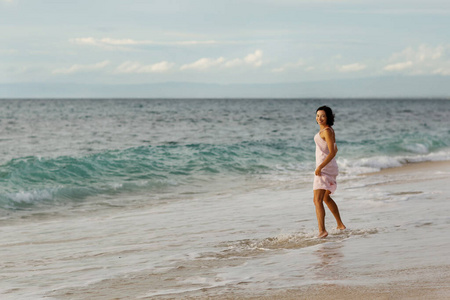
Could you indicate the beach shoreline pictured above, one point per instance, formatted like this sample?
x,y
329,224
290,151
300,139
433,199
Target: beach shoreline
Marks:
x,y
416,290
413,167
331,259
434,282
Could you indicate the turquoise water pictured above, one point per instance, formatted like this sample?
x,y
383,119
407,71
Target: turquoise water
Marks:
x,y
58,152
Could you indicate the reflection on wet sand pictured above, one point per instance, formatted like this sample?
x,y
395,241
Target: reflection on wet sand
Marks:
x,y
329,266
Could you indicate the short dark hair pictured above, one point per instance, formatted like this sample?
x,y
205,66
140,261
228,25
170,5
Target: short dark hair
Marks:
x,y
329,113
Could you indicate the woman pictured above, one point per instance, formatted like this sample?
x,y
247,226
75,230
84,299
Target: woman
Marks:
x,y
326,169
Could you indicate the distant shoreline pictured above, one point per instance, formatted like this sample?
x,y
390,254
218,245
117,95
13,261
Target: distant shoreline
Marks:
x,y
370,87
103,98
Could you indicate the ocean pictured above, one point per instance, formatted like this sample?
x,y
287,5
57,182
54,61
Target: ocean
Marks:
x,y
64,152
197,193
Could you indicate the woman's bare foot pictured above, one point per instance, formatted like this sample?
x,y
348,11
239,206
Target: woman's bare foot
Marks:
x,y
341,227
323,234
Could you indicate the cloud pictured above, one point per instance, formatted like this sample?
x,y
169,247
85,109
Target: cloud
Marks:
x,y
124,44
399,66
351,68
442,71
8,51
422,53
135,67
203,64
423,60
399,11
252,59
82,68
132,67
84,41
233,63
107,43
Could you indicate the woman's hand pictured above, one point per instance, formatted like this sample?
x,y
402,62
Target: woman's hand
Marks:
x,y
318,171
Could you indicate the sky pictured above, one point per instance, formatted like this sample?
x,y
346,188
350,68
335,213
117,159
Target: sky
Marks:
x,y
111,42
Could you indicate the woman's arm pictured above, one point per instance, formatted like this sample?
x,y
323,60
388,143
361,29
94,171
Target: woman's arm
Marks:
x,y
329,138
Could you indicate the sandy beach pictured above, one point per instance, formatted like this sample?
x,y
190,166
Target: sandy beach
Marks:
x,y
428,282
395,247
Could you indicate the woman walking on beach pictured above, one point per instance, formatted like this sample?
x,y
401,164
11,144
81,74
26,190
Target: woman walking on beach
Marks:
x,y
326,169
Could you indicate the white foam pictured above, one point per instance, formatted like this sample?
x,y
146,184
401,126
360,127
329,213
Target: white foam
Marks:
x,y
377,163
417,148
116,186
30,197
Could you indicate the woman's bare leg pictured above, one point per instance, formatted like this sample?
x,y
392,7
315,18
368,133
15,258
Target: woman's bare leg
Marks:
x,y
334,210
320,212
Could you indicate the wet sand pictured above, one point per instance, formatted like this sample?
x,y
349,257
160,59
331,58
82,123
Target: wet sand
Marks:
x,y
406,259
418,168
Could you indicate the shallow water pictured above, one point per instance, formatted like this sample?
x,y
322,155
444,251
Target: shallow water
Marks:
x,y
249,240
